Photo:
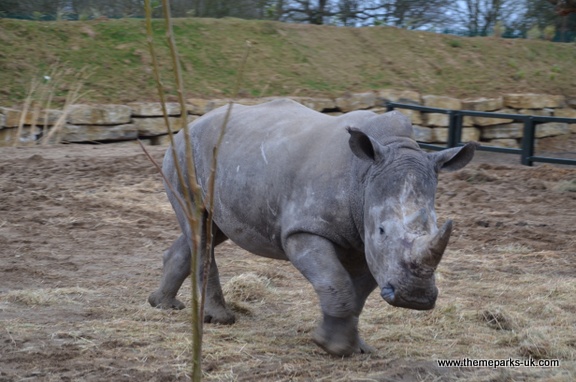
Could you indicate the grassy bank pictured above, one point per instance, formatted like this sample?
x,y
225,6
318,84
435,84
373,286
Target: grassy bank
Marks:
x,y
286,59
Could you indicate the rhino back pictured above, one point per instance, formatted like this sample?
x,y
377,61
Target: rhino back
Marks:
x,y
282,168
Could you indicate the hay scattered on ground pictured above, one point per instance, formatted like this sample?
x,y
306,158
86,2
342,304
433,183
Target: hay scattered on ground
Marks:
x,y
45,297
247,287
497,319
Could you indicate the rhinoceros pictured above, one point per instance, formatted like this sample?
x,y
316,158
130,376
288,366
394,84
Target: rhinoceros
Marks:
x,y
348,200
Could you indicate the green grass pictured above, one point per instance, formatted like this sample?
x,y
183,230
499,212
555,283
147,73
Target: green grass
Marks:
x,y
285,59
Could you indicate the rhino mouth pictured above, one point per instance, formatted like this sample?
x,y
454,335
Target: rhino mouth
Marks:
x,y
425,301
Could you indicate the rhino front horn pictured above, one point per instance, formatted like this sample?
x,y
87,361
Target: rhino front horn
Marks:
x,y
438,244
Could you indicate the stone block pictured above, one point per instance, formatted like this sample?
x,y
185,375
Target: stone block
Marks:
x,y
149,127
99,114
414,115
11,116
153,109
504,131
47,117
470,134
253,101
402,96
533,101
378,110
565,113
87,133
442,102
467,121
504,142
440,134
423,134
435,119
199,106
9,136
546,112
160,140
487,121
356,101
318,104
551,129
482,104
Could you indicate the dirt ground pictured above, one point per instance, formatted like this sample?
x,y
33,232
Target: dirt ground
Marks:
x,y
82,230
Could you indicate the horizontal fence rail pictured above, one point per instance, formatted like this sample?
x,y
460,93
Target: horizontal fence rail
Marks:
x,y
456,117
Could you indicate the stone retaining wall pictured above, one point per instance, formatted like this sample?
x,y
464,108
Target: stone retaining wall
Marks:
x,y
144,120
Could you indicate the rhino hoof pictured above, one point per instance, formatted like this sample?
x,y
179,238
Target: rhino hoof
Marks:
x,y
165,303
227,318
336,348
341,349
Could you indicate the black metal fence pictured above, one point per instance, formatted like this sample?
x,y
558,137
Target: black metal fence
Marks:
x,y
456,117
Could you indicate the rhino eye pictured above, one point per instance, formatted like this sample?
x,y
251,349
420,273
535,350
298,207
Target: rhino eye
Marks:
x,y
381,230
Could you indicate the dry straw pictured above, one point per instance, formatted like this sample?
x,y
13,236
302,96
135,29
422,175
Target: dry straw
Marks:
x,y
38,108
247,287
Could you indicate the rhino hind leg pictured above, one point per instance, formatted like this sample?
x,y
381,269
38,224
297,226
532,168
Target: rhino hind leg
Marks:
x,y
176,268
215,309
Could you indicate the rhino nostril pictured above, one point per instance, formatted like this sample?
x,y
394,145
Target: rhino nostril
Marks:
x,y
387,292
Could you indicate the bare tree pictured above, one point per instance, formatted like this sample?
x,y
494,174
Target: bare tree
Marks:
x,y
348,11
246,9
31,8
409,14
564,7
308,11
480,16
537,14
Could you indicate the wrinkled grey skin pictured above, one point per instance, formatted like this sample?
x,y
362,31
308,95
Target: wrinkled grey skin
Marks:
x,y
348,200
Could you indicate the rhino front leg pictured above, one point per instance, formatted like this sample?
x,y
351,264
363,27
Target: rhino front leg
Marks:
x,y
317,259
364,284
175,270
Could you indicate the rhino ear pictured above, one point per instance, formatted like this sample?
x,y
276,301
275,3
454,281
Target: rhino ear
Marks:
x,y
363,146
455,158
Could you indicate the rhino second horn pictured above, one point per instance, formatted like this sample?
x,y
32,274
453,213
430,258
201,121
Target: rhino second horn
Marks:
x,y
438,244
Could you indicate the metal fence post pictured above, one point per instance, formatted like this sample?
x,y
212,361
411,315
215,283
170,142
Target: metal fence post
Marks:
x,y
459,120
528,142
454,131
